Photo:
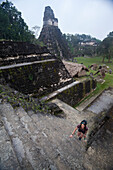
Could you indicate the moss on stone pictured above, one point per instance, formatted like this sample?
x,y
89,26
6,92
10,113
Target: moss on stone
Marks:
x,y
17,99
30,77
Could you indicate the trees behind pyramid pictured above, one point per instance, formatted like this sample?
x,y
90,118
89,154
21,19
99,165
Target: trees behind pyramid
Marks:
x,y
52,37
12,25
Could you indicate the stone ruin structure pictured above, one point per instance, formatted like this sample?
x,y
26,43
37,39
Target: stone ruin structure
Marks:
x,y
52,36
36,141
17,52
75,69
93,67
49,18
32,69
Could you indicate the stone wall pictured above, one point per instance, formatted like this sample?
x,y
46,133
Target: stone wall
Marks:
x,y
9,49
100,141
41,78
76,93
21,52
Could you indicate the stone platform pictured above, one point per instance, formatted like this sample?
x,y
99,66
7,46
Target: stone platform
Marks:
x,y
38,141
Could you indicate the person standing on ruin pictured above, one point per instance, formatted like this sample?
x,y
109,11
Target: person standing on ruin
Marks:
x,y
82,130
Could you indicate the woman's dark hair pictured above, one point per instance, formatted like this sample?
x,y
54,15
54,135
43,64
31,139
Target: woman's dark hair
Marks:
x,y
84,122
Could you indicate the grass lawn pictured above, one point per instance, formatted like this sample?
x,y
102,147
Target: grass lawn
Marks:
x,y
97,60
108,78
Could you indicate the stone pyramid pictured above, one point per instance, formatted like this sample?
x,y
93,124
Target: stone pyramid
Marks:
x,y
52,37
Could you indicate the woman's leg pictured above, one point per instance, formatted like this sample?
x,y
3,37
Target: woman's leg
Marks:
x,y
79,134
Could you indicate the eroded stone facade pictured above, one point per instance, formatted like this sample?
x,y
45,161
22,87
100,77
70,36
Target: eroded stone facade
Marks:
x,y
52,36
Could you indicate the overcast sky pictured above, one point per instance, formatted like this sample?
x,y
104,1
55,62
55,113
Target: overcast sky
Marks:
x,y
92,17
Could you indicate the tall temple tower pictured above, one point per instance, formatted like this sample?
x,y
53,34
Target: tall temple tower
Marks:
x,y
52,37
49,18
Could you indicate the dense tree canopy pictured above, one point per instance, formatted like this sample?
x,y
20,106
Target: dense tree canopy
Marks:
x,y
106,48
12,26
79,44
110,34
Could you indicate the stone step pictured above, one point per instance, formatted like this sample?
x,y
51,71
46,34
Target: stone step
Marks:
x,y
54,124
55,93
25,64
88,102
57,132
42,141
8,158
37,133
36,124
48,132
72,114
75,116
103,103
41,131
27,153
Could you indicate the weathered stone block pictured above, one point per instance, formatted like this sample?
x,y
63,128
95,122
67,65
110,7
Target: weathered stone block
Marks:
x,y
76,93
87,87
94,83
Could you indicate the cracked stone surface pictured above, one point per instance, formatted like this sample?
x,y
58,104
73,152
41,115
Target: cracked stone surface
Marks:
x,y
42,141
38,141
104,102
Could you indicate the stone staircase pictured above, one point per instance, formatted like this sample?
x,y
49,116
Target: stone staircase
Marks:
x,y
8,158
41,142
38,141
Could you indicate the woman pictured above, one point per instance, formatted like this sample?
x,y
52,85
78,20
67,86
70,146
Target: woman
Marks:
x,y
82,130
